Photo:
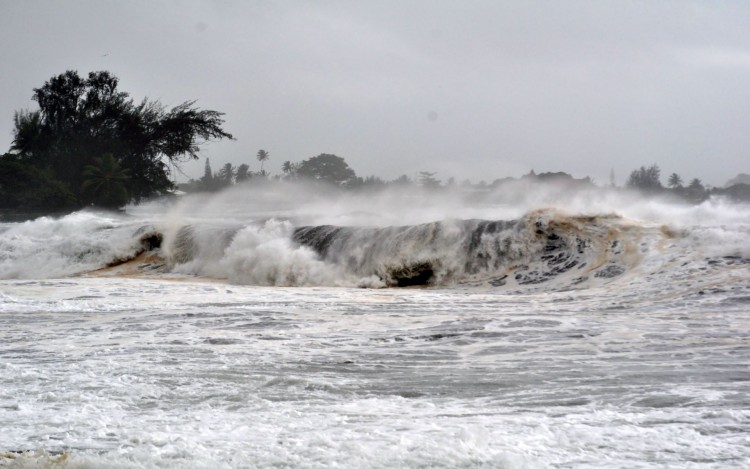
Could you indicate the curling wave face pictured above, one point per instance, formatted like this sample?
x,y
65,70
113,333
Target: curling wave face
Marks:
x,y
542,250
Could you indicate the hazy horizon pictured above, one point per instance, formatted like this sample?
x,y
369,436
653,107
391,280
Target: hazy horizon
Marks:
x,y
476,91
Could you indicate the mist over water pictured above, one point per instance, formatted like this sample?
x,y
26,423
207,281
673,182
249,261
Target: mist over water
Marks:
x,y
542,327
319,205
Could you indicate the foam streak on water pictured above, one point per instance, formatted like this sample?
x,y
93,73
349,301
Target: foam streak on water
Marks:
x,y
142,373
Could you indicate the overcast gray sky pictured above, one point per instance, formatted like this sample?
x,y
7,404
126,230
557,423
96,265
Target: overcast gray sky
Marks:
x,y
470,89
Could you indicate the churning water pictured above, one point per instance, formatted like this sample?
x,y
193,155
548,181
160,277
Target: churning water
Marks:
x,y
204,333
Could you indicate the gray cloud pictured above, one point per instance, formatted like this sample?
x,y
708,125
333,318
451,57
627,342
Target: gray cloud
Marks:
x,y
474,90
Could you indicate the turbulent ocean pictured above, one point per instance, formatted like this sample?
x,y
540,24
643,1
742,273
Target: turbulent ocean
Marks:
x,y
282,327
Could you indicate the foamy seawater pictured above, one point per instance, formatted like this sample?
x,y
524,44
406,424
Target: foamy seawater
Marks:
x,y
162,338
134,373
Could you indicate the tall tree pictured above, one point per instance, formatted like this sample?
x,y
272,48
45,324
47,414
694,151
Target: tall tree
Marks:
x,y
207,181
243,173
262,157
226,175
80,119
427,180
696,192
105,182
675,181
646,179
326,168
287,167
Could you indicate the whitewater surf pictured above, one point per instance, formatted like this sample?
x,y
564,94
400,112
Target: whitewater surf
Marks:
x,y
567,331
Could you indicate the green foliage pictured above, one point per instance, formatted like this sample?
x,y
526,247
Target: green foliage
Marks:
x,y
209,182
646,179
288,167
225,177
243,173
695,191
105,182
427,179
81,119
262,157
402,181
25,187
326,168
675,181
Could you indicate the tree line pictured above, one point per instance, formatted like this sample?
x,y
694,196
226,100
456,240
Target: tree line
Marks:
x,y
90,143
648,180
335,171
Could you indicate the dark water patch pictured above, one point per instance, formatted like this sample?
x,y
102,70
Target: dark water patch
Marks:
x,y
737,299
500,350
222,341
434,337
663,401
261,324
272,337
408,275
489,335
727,260
226,304
410,394
499,282
571,402
524,276
610,271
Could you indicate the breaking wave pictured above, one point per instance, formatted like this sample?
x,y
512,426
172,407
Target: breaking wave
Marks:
x,y
544,249
304,238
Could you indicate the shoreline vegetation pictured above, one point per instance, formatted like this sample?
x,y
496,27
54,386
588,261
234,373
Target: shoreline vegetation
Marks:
x,y
91,145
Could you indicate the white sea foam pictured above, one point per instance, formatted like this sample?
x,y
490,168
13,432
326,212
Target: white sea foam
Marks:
x,y
146,373
52,247
626,354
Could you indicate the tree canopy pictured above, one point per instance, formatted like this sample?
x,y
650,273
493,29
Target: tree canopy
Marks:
x,y
326,168
80,120
646,179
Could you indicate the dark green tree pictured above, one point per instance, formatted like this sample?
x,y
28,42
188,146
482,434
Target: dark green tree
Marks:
x,y
243,173
675,181
80,119
225,177
427,180
326,168
645,179
401,181
104,182
262,157
23,186
287,167
207,182
696,192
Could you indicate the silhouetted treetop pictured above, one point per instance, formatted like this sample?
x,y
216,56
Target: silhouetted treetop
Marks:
x,y
81,119
326,168
646,179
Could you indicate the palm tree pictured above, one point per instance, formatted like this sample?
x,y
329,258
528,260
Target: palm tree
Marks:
x,y
105,180
696,191
262,157
226,175
675,181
